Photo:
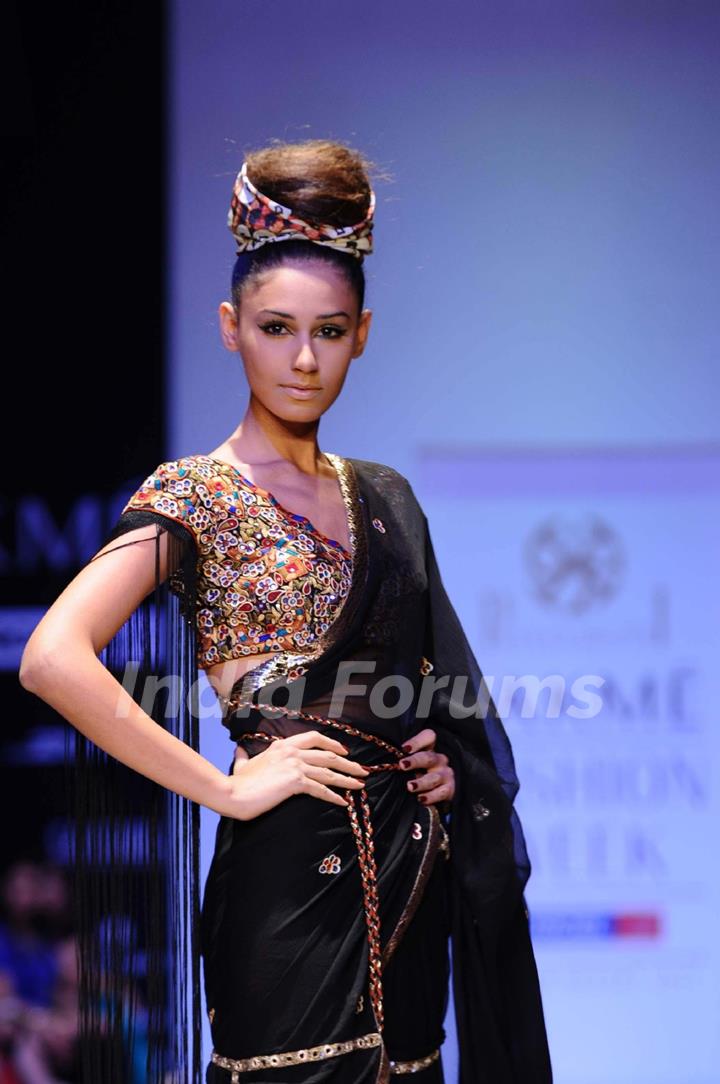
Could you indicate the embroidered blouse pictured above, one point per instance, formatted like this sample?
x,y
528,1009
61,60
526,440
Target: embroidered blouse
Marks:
x,y
267,579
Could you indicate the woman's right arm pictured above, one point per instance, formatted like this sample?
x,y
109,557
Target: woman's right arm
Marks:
x,y
60,664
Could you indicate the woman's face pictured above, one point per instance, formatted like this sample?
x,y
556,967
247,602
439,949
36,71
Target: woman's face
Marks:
x,y
297,326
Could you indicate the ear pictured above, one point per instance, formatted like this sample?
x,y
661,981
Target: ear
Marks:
x,y
363,330
228,325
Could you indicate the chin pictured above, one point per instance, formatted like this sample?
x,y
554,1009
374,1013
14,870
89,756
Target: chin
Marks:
x,y
297,410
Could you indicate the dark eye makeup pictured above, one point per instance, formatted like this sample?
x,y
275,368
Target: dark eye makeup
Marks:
x,y
339,331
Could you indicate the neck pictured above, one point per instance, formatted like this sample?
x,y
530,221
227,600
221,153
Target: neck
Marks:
x,y
262,438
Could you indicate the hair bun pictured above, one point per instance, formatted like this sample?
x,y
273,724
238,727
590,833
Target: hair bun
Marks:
x,y
321,180
255,219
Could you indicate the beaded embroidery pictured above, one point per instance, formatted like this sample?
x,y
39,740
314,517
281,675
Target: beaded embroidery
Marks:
x,y
267,578
331,864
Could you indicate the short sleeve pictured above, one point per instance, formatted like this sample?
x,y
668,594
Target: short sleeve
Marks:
x,y
176,499
174,491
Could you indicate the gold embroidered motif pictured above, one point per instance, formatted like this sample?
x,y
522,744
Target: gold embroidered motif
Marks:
x,y
425,666
211,1015
360,1003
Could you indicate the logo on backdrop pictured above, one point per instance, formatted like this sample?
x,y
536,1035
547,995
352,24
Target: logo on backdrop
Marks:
x,y
575,564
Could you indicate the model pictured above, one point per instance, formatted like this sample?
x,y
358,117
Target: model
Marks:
x,y
367,831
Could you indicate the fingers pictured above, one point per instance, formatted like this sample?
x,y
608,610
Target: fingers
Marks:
x,y
435,785
425,759
321,766
321,756
326,759
318,762
319,790
308,739
428,780
331,778
424,740
442,793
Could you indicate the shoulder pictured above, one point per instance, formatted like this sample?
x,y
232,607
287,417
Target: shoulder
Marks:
x,y
179,489
387,480
383,476
187,474
379,473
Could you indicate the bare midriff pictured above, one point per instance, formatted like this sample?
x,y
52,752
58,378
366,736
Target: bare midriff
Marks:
x,y
223,675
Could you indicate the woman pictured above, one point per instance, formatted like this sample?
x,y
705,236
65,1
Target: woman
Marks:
x,y
367,819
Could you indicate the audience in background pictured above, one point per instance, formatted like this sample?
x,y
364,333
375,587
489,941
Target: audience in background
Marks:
x,y
38,977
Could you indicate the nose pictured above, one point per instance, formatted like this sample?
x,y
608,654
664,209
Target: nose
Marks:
x,y
305,359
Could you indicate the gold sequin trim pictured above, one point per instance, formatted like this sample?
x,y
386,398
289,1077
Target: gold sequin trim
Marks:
x,y
319,1053
415,1066
297,1057
445,842
432,844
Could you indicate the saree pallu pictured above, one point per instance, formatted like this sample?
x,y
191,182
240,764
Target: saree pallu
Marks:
x,y
325,932
288,952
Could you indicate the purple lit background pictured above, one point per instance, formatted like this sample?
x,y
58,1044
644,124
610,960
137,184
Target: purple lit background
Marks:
x,y
544,354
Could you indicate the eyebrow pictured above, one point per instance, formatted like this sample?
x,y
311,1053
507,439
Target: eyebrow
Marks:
x,y
320,316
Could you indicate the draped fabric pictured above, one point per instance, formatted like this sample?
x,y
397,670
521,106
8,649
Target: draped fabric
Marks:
x,y
298,863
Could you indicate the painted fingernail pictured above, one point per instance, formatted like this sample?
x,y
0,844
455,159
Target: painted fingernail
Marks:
x,y
422,798
404,763
412,784
407,746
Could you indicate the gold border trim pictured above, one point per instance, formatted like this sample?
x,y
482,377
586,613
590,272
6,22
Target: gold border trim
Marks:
x,y
416,1065
298,1057
319,1053
426,864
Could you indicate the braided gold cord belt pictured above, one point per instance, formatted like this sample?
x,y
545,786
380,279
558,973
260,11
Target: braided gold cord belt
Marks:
x,y
363,833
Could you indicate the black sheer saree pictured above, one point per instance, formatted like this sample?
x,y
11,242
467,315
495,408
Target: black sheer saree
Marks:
x,y
323,932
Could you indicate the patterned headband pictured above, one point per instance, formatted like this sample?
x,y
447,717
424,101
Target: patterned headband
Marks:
x,y
254,219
